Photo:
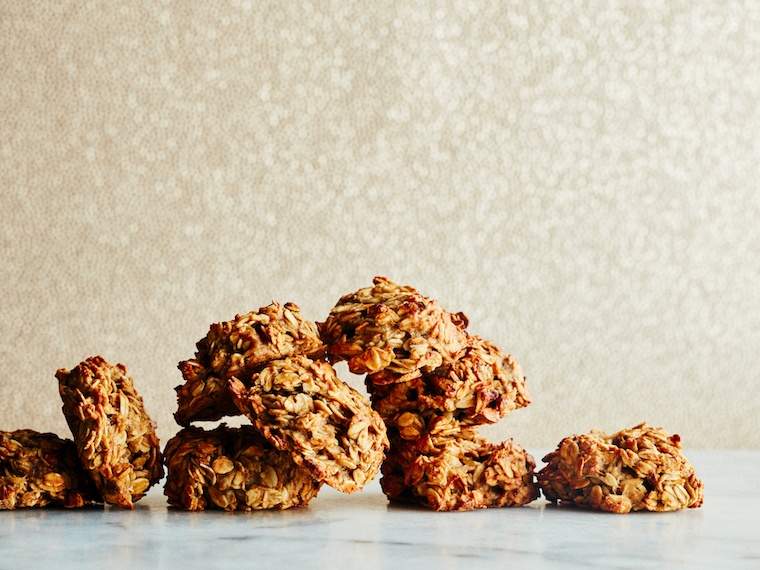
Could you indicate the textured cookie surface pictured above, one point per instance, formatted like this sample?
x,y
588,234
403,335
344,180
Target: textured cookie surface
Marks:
x,y
454,469
237,348
393,327
641,468
301,406
115,438
234,470
479,386
40,469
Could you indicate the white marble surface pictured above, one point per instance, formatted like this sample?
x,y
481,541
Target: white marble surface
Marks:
x,y
363,531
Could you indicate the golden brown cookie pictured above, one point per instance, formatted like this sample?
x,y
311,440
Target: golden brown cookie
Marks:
x,y
237,348
635,469
115,438
479,386
454,469
41,469
234,470
301,406
392,327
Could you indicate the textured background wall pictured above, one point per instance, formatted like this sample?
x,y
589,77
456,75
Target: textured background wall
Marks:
x,y
581,178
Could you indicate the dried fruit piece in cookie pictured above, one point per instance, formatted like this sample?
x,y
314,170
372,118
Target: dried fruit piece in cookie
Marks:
x,y
301,406
234,470
237,348
481,385
394,327
39,469
115,438
635,469
458,472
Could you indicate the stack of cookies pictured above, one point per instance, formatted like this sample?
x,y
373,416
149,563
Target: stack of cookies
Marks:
x,y
114,456
433,384
308,427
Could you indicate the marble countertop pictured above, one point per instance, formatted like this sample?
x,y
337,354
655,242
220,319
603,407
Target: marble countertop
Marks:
x,y
363,531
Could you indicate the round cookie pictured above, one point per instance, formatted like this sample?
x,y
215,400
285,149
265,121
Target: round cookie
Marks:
x,y
479,386
453,469
115,438
301,406
233,469
392,327
635,469
40,469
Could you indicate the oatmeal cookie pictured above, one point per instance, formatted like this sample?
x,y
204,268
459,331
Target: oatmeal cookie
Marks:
x,y
203,396
457,470
115,438
301,406
40,469
635,469
393,327
237,348
234,470
479,386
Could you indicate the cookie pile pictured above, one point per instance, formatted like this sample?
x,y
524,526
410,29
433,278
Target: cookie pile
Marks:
x,y
308,427
433,383
114,456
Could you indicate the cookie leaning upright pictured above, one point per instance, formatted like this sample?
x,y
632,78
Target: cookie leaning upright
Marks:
x,y
636,469
115,438
301,406
237,348
394,327
40,469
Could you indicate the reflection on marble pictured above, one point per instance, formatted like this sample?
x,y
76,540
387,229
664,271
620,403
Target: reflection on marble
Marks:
x,y
363,531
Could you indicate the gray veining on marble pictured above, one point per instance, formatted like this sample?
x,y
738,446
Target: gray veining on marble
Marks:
x,y
363,531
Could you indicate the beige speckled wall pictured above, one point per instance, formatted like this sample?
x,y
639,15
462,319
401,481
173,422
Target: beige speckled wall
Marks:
x,y
581,178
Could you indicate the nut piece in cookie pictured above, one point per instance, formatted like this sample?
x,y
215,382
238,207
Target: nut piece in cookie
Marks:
x,y
454,469
237,348
115,438
480,386
636,469
301,406
234,470
393,327
40,469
